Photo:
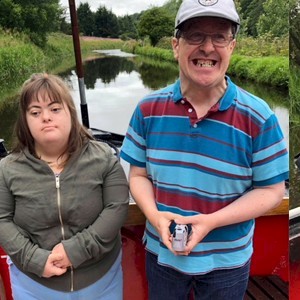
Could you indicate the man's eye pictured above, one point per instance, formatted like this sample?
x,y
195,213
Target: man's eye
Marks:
x,y
196,36
219,37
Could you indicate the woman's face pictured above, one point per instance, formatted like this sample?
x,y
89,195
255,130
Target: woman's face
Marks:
x,y
49,122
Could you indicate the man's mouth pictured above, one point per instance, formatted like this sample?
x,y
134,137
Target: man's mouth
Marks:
x,y
204,63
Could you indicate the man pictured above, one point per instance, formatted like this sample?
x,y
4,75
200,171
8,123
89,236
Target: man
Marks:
x,y
203,152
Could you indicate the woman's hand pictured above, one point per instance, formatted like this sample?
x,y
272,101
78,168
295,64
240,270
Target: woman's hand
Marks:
x,y
50,268
64,262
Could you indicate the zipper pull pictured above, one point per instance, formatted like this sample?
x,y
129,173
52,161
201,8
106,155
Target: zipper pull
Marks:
x,y
57,181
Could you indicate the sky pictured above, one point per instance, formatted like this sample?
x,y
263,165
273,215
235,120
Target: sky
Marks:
x,y
119,7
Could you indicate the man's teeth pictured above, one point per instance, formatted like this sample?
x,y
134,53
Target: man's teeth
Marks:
x,y
207,63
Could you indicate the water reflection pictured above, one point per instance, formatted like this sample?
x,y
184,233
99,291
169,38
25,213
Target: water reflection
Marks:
x,y
114,85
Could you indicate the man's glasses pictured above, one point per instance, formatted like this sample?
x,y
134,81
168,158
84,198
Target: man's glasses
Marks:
x,y
199,38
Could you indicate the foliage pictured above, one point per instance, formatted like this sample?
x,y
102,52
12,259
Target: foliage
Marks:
x,y
165,43
155,52
275,19
251,11
295,31
294,61
155,23
34,17
86,19
128,27
294,84
269,70
264,45
106,23
19,57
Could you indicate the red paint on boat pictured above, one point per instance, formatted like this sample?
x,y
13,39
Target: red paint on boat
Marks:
x,y
5,275
271,251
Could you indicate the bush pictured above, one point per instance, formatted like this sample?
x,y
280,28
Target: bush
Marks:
x,y
270,70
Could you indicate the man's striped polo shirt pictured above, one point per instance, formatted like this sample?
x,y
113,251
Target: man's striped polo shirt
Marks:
x,y
199,166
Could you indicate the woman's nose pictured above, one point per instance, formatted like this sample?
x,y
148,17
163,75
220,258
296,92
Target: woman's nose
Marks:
x,y
46,116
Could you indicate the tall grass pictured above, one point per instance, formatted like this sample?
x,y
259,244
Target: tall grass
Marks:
x,y
19,58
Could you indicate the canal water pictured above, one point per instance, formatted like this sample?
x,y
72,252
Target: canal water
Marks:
x,y
116,81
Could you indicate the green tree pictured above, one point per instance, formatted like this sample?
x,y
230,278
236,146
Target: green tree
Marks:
x,y
253,13
275,19
10,15
155,23
127,27
295,31
106,23
35,17
86,19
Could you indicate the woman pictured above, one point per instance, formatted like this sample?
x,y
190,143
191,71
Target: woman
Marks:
x,y
63,200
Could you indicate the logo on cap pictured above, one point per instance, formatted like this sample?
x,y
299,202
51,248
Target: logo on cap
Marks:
x,y
208,2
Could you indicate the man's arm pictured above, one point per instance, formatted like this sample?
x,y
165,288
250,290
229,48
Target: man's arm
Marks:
x,y
249,206
142,191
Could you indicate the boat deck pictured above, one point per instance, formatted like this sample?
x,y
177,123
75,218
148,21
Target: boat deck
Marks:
x,y
264,288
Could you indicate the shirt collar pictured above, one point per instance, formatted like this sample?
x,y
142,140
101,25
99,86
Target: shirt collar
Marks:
x,y
226,100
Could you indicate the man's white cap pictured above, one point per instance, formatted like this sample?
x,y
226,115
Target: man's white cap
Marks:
x,y
207,8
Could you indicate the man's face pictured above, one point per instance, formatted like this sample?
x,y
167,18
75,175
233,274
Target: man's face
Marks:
x,y
203,51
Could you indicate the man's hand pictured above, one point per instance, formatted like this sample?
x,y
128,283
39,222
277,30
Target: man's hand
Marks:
x,y
162,224
201,226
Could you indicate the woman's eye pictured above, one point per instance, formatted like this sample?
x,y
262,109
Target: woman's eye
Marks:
x,y
56,109
34,113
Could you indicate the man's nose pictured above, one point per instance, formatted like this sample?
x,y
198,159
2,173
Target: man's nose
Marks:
x,y
207,44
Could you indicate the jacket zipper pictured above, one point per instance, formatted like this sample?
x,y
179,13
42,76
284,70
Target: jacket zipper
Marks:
x,y
57,184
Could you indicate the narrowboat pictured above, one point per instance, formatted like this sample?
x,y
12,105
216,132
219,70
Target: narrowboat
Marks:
x,y
270,261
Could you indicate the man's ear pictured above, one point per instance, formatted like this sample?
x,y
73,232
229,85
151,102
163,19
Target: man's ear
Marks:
x,y
232,45
175,44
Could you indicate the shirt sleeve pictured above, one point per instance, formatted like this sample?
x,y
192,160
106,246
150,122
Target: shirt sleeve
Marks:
x,y
134,145
270,156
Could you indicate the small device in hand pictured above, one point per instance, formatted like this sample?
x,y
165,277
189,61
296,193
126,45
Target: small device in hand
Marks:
x,y
180,234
